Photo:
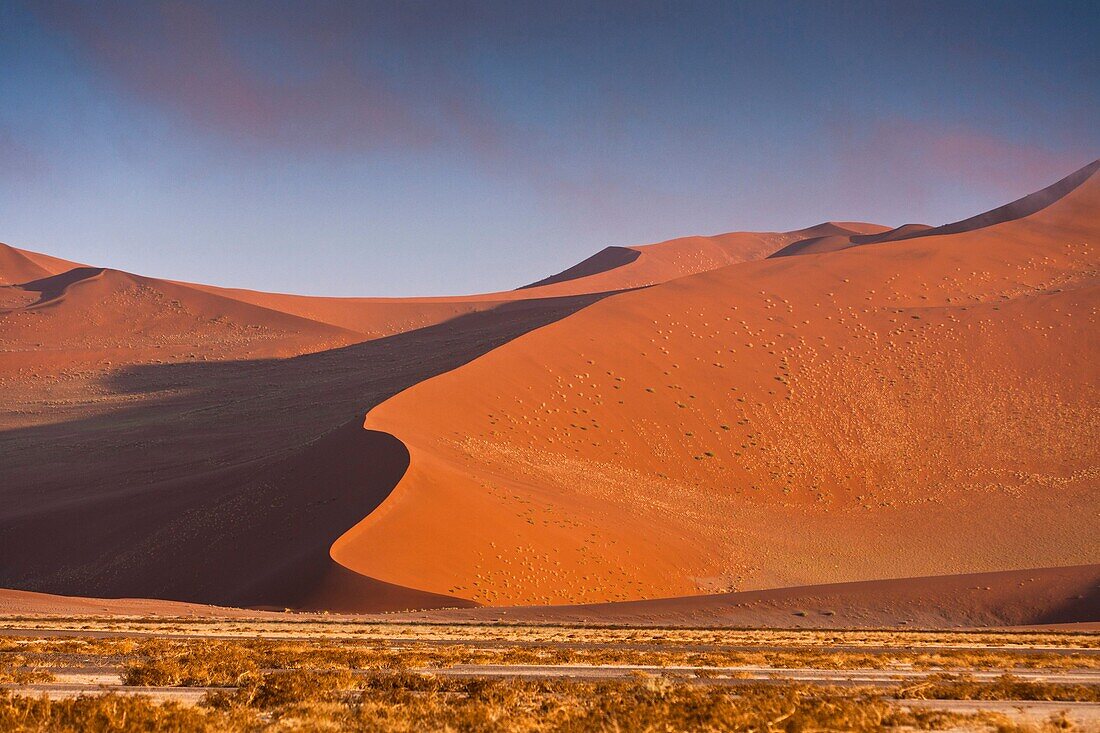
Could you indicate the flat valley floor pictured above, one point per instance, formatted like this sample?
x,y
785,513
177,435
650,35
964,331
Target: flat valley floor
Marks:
x,y
311,672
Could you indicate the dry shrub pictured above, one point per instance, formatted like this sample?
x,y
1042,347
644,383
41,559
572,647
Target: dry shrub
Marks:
x,y
205,664
757,707
1005,687
318,701
123,714
644,703
276,689
15,669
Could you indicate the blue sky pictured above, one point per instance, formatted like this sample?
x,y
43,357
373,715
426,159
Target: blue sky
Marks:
x,y
436,148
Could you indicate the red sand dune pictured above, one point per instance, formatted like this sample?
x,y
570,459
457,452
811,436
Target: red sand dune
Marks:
x,y
612,269
19,266
922,408
630,267
1018,209
676,419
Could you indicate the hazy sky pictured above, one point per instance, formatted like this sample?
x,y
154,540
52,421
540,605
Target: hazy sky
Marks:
x,y
445,147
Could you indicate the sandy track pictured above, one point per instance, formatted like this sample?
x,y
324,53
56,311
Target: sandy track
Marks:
x,y
736,675
1022,711
65,691
97,677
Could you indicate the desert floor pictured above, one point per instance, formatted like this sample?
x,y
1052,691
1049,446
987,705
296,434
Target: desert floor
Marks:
x,y
283,670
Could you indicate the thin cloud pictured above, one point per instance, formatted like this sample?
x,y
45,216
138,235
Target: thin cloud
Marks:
x,y
20,163
918,158
315,86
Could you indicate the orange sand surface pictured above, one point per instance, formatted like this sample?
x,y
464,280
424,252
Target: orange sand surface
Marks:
x,y
698,417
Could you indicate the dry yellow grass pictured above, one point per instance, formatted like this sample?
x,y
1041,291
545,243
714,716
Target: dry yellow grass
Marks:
x,y
15,671
205,664
403,702
340,683
200,662
1005,687
312,626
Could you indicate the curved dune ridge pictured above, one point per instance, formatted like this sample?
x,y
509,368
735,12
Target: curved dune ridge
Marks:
x,y
880,412
1018,209
835,242
652,263
688,417
19,266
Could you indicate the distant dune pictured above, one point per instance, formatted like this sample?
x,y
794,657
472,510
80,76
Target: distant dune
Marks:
x,y
698,417
631,267
610,270
835,242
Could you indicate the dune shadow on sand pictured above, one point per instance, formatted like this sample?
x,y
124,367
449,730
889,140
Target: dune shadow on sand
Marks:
x,y
52,287
1083,607
228,482
607,259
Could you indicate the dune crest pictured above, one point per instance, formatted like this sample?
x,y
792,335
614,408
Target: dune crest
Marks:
x,y
19,265
758,426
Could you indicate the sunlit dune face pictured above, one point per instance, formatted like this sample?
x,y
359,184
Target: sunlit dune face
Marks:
x,y
774,423
702,415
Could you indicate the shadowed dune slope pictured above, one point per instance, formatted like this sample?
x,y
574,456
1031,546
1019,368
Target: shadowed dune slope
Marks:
x,y
903,232
816,245
918,409
222,481
835,242
606,259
